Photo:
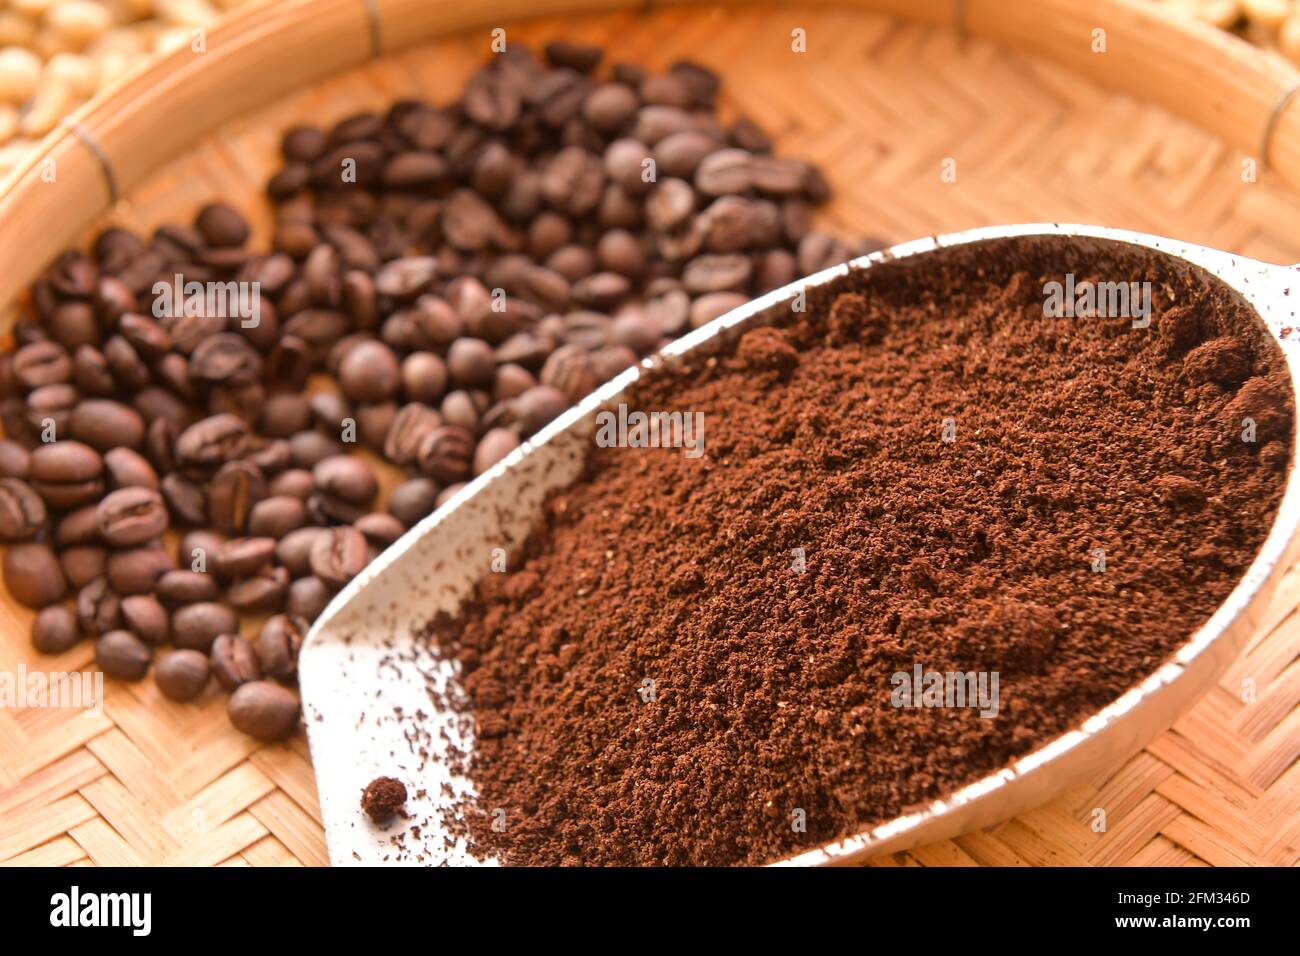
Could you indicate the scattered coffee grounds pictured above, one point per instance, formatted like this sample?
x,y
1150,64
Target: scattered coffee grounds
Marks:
x,y
694,661
383,799
441,281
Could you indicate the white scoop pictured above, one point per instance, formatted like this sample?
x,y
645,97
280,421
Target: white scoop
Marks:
x,y
365,678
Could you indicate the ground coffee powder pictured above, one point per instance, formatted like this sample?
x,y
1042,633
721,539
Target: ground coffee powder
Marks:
x,y
694,660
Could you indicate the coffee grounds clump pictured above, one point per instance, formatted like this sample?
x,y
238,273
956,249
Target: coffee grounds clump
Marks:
x,y
694,660
383,798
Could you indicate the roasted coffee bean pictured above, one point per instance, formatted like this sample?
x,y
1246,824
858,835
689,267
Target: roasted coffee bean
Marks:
x,y
67,473
49,409
263,710
575,56
15,460
446,454
236,488
211,442
233,661
709,307
275,517
55,630
22,511
261,592
470,362
99,609
122,655
33,575
728,171
183,586
74,325
573,181
278,645
380,529
272,457
717,273
197,547
145,617
83,563
136,571
185,500
285,414
294,550
149,339
406,278
196,626
129,469
610,106
292,482
424,377
41,363
77,527
182,675
347,478
569,370
131,516
459,408
240,557
225,359
369,372
339,555
160,444
307,598
311,448
412,500
411,426
539,405
496,444
130,373
221,225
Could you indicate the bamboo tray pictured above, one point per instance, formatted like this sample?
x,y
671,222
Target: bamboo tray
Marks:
x,y
1009,91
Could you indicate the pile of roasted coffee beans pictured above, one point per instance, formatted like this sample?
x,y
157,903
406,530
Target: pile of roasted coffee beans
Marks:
x,y
448,280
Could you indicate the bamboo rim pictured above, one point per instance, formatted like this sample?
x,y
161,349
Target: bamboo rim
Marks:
x,y
116,140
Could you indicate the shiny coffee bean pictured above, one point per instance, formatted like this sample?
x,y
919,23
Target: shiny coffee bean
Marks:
x,y
33,575
145,617
263,710
307,598
22,511
182,675
294,549
131,516
412,500
261,592
347,478
122,655
183,586
136,570
339,555
278,645
83,563
234,491
99,609
55,630
240,557
196,626
233,661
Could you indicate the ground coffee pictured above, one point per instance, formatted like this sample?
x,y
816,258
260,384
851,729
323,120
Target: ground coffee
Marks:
x,y
697,660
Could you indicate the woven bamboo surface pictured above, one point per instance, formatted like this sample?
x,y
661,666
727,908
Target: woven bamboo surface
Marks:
x,y
881,105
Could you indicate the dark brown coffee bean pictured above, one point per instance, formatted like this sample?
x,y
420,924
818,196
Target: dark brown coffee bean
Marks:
x,y
129,371
122,655
293,482
347,478
278,645
83,563
412,500
240,557
74,324
303,144
33,575
197,547
629,163
149,339
446,454
211,442
131,516
196,626
183,586
221,225
669,205
728,171
22,511
276,516
407,277
263,710
15,460
49,409
294,549
569,370
41,363
182,675
491,102
307,598
137,570
409,429
470,362
665,90
424,377
818,251
709,307
380,529
77,527
496,444
225,359
67,473
538,406
236,488
573,181
717,273
575,56
285,414
310,448
339,555
99,610
414,169
145,617
260,593
680,154
655,122
55,630
494,171
233,661
160,444
610,106
459,408
186,501
369,373
129,469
